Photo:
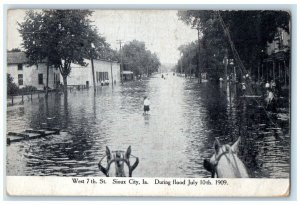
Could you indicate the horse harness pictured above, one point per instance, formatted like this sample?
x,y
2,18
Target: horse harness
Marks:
x,y
214,166
117,159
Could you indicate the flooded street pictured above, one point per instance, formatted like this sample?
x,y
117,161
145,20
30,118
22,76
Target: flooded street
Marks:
x,y
185,118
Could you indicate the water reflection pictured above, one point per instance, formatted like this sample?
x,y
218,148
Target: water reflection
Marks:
x,y
172,141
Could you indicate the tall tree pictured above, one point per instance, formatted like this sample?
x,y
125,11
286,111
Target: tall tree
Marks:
x,y
36,40
138,59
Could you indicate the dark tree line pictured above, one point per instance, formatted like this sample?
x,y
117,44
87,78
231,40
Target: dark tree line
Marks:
x,y
250,31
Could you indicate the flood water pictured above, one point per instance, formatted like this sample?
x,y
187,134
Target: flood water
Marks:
x,y
172,141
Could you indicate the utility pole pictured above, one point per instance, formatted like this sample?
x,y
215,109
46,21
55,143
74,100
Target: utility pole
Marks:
x,y
199,50
147,71
225,61
47,79
111,74
93,74
190,70
93,69
181,63
121,57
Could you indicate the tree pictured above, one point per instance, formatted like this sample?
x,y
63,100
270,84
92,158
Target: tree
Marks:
x,y
188,60
138,59
212,54
95,47
250,31
59,36
12,88
36,40
14,50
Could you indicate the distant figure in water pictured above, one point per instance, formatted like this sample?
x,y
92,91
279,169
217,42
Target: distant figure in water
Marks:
x,y
270,96
243,89
146,105
267,85
270,100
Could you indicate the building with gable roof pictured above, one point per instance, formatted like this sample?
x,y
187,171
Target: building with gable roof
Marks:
x,y
24,75
35,75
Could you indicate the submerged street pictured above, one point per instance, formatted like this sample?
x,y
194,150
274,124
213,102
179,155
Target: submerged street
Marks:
x,y
172,141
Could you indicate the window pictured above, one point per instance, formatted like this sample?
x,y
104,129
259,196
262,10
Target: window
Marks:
x,y
102,76
41,82
20,79
20,66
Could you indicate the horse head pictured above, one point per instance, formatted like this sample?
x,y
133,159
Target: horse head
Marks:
x,y
225,163
119,159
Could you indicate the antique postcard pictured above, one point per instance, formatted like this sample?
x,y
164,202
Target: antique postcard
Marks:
x,y
148,102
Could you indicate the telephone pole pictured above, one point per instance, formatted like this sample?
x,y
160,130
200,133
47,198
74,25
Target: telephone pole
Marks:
x,y
121,57
92,63
225,62
181,54
199,54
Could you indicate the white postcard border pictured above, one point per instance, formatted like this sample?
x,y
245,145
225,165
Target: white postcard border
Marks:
x,y
99,186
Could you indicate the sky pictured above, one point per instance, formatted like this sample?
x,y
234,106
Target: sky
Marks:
x,y
161,30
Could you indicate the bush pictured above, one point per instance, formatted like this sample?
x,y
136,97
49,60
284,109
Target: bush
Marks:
x,y
27,89
12,88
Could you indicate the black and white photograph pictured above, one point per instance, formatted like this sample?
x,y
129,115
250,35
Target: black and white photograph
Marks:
x,y
161,94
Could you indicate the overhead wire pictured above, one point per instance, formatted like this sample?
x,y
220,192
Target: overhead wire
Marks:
x,y
240,63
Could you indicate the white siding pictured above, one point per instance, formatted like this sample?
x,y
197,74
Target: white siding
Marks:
x,y
113,70
80,75
30,75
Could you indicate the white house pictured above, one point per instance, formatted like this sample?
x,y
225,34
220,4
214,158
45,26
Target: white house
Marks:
x,y
25,75
104,70
35,75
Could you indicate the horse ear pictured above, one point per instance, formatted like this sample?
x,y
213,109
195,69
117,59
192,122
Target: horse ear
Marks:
x,y
108,153
128,152
234,147
217,145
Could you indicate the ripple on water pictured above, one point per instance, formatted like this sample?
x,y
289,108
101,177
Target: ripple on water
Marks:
x,y
173,141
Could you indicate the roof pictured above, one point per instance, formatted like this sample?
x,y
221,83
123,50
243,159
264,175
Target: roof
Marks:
x,y
16,58
106,60
281,55
127,72
20,57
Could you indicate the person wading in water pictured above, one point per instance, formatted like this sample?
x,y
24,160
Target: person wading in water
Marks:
x,y
146,105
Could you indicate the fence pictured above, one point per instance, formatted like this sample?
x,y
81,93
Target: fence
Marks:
x,y
20,97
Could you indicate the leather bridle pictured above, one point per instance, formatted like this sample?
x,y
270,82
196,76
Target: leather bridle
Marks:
x,y
115,160
213,167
